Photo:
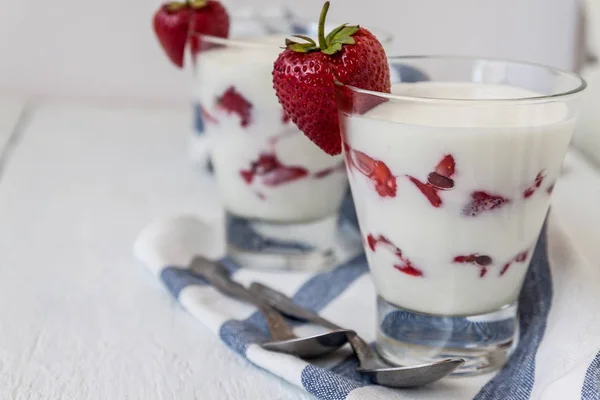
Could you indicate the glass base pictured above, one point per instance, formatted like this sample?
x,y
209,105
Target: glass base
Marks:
x,y
484,341
307,246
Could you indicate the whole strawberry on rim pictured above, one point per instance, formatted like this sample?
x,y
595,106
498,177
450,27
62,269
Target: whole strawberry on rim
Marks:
x,y
177,23
304,77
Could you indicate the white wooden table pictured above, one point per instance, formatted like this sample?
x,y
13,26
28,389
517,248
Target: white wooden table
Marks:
x,y
79,317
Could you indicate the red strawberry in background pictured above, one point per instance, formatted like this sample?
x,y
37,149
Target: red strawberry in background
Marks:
x,y
175,23
304,75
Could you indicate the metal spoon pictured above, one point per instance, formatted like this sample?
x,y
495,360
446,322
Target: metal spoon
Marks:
x,y
284,339
371,364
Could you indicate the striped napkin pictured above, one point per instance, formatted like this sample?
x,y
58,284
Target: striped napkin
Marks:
x,y
557,358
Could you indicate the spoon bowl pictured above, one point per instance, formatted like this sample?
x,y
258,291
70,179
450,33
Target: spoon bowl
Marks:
x,y
311,346
414,375
371,364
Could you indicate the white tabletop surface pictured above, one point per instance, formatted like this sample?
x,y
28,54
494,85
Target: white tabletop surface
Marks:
x,y
81,319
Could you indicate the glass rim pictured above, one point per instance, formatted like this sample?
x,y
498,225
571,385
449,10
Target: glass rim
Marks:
x,y
579,82
382,35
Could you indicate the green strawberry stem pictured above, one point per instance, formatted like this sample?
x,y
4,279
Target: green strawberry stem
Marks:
x,y
329,44
195,4
322,18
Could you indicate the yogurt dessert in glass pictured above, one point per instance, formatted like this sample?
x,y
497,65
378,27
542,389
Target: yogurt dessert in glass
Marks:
x,y
282,194
452,179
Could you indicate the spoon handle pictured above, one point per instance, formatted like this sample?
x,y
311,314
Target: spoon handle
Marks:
x,y
219,278
287,306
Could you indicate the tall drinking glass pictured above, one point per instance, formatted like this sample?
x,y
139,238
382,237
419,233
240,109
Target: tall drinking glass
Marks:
x,y
452,179
282,194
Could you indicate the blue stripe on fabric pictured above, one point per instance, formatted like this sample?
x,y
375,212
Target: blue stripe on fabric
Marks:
x,y
198,120
591,384
176,278
238,335
321,289
328,385
314,294
515,381
337,382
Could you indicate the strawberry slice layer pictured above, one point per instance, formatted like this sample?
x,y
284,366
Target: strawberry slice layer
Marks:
x,y
283,175
429,191
440,179
481,261
328,171
405,265
519,258
376,170
234,103
483,202
446,167
537,183
272,171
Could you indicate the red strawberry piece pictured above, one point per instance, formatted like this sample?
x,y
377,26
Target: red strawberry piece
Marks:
x,y
377,171
482,201
247,176
385,182
283,175
328,171
550,188
520,258
272,171
429,191
437,180
481,261
175,22
539,179
304,76
406,265
266,163
409,269
234,103
446,167
505,268
484,261
372,242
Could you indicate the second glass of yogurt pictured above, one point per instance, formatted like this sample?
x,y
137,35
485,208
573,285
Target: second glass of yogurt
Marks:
x,y
282,194
452,179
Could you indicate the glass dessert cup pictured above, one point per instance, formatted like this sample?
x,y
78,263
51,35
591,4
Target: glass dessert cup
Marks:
x,y
452,179
282,194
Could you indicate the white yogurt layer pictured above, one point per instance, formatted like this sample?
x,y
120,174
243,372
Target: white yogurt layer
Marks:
x,y
234,147
499,149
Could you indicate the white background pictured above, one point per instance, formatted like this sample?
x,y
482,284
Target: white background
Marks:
x,y
105,48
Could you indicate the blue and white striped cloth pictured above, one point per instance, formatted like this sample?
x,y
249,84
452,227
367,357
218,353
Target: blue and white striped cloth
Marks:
x,y
558,356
